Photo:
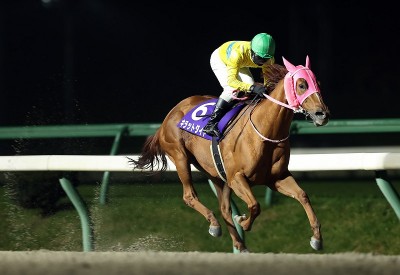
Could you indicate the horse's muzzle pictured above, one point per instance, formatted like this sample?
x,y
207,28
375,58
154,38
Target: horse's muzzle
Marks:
x,y
320,117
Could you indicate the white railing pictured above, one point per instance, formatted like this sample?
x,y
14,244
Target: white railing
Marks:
x,y
298,162
319,160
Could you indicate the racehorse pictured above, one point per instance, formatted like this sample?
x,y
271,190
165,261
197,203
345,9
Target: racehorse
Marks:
x,y
256,149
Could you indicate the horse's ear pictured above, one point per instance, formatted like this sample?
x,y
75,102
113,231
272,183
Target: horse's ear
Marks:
x,y
289,66
308,65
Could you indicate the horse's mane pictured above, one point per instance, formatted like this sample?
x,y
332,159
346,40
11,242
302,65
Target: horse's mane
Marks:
x,y
274,74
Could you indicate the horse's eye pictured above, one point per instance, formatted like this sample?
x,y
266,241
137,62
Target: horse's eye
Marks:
x,y
303,86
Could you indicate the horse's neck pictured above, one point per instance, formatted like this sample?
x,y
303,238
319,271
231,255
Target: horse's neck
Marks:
x,y
273,120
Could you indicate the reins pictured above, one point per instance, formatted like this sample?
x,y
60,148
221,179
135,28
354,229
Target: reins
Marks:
x,y
253,103
260,135
254,127
296,108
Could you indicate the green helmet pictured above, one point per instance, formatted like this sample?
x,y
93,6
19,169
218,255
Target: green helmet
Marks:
x,y
263,45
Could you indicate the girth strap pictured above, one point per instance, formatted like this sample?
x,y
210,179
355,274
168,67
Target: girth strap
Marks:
x,y
217,159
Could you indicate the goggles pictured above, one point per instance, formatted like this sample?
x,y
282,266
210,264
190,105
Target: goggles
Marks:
x,y
258,60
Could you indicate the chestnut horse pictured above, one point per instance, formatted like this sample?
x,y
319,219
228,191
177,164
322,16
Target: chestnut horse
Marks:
x,y
255,151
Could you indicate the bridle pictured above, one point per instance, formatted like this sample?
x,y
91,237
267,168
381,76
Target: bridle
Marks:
x,y
294,100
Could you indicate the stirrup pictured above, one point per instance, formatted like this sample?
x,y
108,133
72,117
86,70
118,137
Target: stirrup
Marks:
x,y
212,130
216,133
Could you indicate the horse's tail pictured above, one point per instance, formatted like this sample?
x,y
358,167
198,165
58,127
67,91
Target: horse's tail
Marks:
x,y
152,156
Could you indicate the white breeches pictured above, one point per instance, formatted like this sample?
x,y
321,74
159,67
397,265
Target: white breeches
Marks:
x,y
220,71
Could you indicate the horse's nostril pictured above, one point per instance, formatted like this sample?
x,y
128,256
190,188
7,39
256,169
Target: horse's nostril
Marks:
x,y
321,115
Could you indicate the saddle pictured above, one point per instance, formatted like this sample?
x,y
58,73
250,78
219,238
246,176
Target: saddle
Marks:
x,y
195,120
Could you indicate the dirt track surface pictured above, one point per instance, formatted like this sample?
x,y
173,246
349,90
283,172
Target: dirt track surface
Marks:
x,y
45,262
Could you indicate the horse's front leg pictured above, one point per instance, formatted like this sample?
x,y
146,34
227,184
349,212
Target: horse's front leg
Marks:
x,y
289,187
242,189
226,210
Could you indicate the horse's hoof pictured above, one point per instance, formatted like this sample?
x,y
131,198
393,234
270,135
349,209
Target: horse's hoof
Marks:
x,y
245,251
215,231
316,244
239,219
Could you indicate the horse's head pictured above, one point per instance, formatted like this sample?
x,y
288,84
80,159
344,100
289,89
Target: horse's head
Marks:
x,y
303,93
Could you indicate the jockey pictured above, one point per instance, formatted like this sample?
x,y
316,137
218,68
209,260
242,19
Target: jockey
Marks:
x,y
230,64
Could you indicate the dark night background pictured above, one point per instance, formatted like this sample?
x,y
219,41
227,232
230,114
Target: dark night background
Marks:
x,y
114,61
109,61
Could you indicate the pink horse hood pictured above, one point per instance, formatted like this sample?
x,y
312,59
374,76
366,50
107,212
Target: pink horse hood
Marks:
x,y
294,73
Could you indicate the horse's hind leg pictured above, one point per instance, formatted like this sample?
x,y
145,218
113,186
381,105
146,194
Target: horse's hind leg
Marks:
x,y
190,195
289,187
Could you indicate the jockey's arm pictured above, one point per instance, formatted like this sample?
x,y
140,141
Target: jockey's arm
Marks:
x,y
233,80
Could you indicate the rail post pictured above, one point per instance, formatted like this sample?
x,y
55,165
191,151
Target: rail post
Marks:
x,y
80,206
388,190
106,175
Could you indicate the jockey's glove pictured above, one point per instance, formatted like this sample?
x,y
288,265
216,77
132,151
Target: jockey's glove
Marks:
x,y
258,89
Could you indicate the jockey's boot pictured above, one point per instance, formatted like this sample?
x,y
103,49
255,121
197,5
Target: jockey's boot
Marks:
x,y
221,108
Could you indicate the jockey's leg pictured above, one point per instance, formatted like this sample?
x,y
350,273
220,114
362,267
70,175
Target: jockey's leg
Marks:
x,y
221,108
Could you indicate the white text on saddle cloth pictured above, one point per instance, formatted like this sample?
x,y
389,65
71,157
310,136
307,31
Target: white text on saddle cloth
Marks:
x,y
296,72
